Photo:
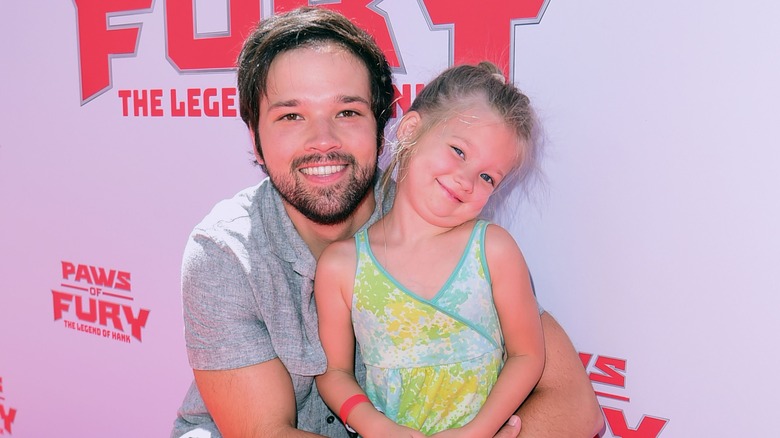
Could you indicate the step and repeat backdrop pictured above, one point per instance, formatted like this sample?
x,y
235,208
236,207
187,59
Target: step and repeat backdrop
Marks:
x,y
653,237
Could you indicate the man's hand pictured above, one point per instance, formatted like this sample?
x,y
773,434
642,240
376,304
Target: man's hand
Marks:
x,y
511,428
563,404
254,401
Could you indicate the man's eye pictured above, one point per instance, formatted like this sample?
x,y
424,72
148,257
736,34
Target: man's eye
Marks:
x,y
458,151
349,113
487,178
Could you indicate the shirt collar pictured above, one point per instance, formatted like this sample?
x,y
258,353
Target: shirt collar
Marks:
x,y
284,240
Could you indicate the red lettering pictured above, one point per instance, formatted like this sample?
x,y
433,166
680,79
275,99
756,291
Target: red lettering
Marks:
x,y
649,427
96,275
102,312
136,322
210,105
361,14
90,316
68,269
7,417
122,281
209,102
189,51
140,103
403,98
585,359
109,310
229,102
193,102
125,96
177,107
610,368
101,278
155,96
60,303
98,41
485,30
82,273
143,102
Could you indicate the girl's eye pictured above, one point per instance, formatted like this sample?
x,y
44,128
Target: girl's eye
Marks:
x,y
458,151
487,178
291,116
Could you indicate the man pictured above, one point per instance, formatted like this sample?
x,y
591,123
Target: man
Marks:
x,y
315,92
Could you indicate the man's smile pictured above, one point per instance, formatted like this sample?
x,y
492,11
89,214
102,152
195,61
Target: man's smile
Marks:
x,y
323,170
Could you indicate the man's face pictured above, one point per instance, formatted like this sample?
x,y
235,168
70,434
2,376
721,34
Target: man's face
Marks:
x,y
317,131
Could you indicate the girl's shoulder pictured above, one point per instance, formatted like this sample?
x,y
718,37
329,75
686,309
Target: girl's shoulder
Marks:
x,y
499,242
337,255
497,232
340,248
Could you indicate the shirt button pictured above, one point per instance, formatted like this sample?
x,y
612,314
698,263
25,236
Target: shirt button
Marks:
x,y
330,419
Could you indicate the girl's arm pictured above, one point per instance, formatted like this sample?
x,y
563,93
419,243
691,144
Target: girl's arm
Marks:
x,y
521,327
333,294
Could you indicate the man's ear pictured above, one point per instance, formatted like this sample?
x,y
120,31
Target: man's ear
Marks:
x,y
409,124
255,140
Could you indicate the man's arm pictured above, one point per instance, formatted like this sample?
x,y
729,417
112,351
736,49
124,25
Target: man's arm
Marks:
x,y
563,403
254,401
223,335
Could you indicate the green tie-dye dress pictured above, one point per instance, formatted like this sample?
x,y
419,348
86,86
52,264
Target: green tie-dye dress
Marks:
x,y
430,363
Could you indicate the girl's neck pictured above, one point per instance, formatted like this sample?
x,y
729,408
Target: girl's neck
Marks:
x,y
402,225
417,254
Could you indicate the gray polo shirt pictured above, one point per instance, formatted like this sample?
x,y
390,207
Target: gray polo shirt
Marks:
x,y
247,293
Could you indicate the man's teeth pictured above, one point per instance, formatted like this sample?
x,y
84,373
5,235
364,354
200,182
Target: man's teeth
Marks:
x,y
322,170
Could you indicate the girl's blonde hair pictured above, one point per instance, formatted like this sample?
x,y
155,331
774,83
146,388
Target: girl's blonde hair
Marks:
x,y
452,93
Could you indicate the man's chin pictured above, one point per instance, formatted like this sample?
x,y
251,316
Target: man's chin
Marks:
x,y
331,205
327,219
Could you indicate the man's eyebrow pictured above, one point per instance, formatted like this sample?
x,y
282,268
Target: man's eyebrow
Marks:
x,y
290,103
284,104
353,99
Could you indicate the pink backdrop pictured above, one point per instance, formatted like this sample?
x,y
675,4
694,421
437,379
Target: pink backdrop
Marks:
x,y
653,241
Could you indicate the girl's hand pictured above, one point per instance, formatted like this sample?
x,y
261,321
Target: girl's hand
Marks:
x,y
451,433
399,431
510,430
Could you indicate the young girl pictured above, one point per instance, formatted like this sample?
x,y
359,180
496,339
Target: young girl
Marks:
x,y
440,302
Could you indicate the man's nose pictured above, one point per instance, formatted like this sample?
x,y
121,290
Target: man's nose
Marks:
x,y
322,136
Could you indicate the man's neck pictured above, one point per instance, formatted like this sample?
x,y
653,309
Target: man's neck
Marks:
x,y
318,236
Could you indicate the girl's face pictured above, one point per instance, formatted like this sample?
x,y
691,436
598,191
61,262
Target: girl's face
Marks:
x,y
455,167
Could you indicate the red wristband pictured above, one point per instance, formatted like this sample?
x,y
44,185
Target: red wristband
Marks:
x,y
349,404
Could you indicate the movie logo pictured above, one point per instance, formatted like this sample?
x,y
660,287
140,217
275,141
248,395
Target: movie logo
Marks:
x,y
7,413
98,301
608,375
203,40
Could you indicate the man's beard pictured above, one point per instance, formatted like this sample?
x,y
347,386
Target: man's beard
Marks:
x,y
330,205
